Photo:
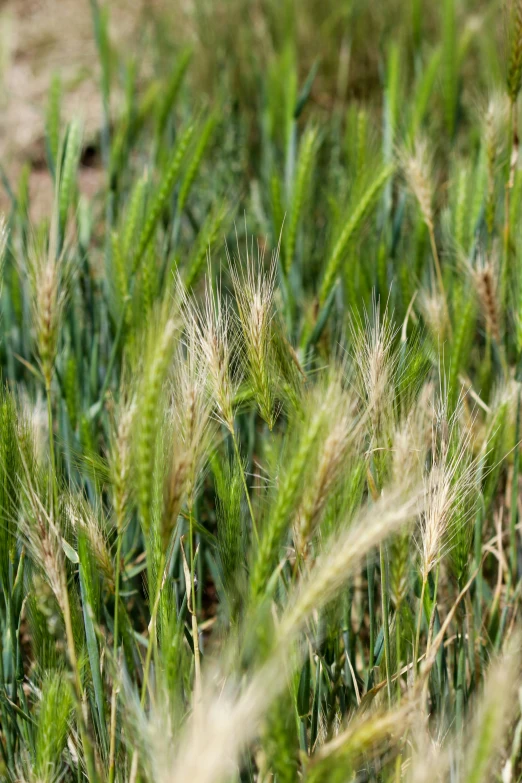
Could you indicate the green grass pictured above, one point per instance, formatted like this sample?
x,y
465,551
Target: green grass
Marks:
x,y
260,406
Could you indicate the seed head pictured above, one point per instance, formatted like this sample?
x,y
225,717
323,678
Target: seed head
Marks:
x,y
254,292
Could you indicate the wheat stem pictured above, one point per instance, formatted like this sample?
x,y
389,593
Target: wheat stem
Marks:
x,y
385,592
419,621
66,610
193,612
243,478
438,272
152,635
398,650
114,696
52,458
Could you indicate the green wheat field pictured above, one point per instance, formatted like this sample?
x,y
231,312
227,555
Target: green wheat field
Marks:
x,y
261,398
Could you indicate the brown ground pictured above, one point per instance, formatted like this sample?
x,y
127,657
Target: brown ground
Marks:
x,y
37,39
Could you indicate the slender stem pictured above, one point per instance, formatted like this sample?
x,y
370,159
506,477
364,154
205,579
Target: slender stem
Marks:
x,y
134,766
398,765
114,697
238,456
513,141
473,656
478,560
385,619
419,620
195,632
371,612
431,618
51,442
66,609
148,657
398,649
3,710
461,684
152,630
50,422
514,498
70,642
152,634
112,746
431,621
164,569
438,272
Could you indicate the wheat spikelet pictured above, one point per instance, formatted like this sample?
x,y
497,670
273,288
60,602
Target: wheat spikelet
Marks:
x,y
431,305
485,279
83,520
254,292
514,74
120,459
211,325
305,167
450,479
190,424
290,487
409,454
360,210
338,438
54,716
375,365
417,169
49,278
42,537
494,122
150,391
195,161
